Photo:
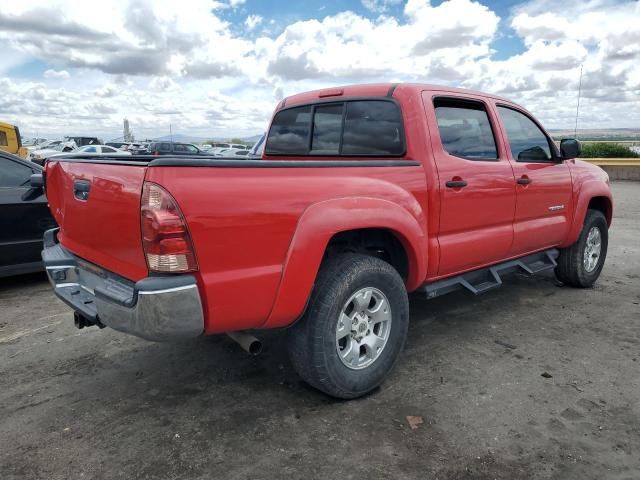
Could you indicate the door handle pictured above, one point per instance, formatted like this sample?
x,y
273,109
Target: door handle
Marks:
x,y
456,183
524,180
81,189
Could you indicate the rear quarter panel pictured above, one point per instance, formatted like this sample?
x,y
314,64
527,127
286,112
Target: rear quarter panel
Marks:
x,y
242,222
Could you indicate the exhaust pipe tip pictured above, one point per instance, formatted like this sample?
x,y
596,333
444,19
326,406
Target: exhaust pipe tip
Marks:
x,y
249,343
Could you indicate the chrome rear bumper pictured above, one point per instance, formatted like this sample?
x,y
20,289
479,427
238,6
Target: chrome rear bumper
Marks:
x,y
159,308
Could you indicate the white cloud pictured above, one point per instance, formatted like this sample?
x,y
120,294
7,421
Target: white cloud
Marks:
x,y
252,21
157,62
62,74
379,6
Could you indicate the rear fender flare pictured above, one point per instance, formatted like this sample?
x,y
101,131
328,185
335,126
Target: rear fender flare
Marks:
x,y
319,223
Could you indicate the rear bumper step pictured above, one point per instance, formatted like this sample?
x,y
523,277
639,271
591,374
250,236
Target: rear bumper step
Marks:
x,y
155,308
484,279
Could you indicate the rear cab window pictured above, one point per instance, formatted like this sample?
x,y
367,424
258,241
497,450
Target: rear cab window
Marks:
x,y
344,129
465,130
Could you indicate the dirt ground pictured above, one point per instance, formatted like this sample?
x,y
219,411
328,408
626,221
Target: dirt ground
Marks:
x,y
99,404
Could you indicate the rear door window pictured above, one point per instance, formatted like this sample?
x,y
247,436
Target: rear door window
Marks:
x,y
351,128
527,142
465,130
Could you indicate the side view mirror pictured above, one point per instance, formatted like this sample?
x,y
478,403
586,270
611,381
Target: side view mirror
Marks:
x,y
36,180
570,148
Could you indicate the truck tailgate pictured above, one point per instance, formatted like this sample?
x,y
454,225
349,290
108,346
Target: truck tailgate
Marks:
x,y
97,206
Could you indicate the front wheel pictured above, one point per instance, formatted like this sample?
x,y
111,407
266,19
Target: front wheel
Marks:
x,y
580,264
354,328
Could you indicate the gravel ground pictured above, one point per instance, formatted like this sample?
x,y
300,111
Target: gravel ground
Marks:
x,y
98,404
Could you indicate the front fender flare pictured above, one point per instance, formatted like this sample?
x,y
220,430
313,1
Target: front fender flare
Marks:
x,y
588,190
319,223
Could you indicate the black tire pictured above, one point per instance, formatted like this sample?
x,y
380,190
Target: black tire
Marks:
x,y
312,340
571,269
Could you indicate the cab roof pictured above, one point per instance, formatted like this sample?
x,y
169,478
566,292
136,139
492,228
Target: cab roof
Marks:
x,y
376,90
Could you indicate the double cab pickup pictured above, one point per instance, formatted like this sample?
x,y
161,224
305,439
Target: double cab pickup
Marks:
x,y
363,194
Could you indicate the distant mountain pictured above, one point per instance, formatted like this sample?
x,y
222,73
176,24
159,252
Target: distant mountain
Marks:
x,y
253,139
179,137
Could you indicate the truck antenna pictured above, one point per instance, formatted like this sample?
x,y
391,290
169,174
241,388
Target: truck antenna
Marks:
x,y
575,130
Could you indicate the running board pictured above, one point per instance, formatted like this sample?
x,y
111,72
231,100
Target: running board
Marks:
x,y
488,278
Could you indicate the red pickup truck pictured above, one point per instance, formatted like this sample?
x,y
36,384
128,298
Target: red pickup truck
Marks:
x,y
363,193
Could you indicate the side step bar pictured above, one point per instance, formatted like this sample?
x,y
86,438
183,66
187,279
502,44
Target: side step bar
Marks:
x,y
488,278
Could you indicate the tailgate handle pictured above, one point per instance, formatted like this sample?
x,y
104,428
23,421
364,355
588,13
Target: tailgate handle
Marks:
x,y
81,189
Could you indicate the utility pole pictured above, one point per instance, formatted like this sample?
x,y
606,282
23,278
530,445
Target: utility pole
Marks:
x,y
170,133
575,130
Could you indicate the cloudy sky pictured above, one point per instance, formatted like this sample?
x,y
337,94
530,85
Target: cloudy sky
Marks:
x,y
218,67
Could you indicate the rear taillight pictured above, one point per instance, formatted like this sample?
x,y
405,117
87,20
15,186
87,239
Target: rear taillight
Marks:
x,y
165,239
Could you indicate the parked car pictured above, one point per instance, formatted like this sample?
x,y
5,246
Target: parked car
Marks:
x,y
174,148
232,152
47,144
138,148
11,141
118,145
39,156
33,142
24,217
81,141
95,150
363,193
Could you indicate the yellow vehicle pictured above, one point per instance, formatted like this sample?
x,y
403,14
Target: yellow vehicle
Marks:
x,y
10,140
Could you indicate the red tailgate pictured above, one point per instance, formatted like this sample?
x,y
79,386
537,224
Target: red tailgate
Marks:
x,y
104,228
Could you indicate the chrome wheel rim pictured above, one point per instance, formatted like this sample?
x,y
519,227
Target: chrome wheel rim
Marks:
x,y
363,328
592,249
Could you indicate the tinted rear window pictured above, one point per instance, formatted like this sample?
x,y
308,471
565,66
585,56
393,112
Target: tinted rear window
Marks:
x,y
465,130
289,133
373,128
352,128
327,127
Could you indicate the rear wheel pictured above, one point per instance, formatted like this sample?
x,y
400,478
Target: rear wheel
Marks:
x,y
580,264
354,328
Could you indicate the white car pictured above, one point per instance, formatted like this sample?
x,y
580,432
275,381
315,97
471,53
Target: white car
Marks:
x,y
96,150
232,153
47,144
40,155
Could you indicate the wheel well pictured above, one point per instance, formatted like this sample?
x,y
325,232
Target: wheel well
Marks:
x,y
378,242
602,204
